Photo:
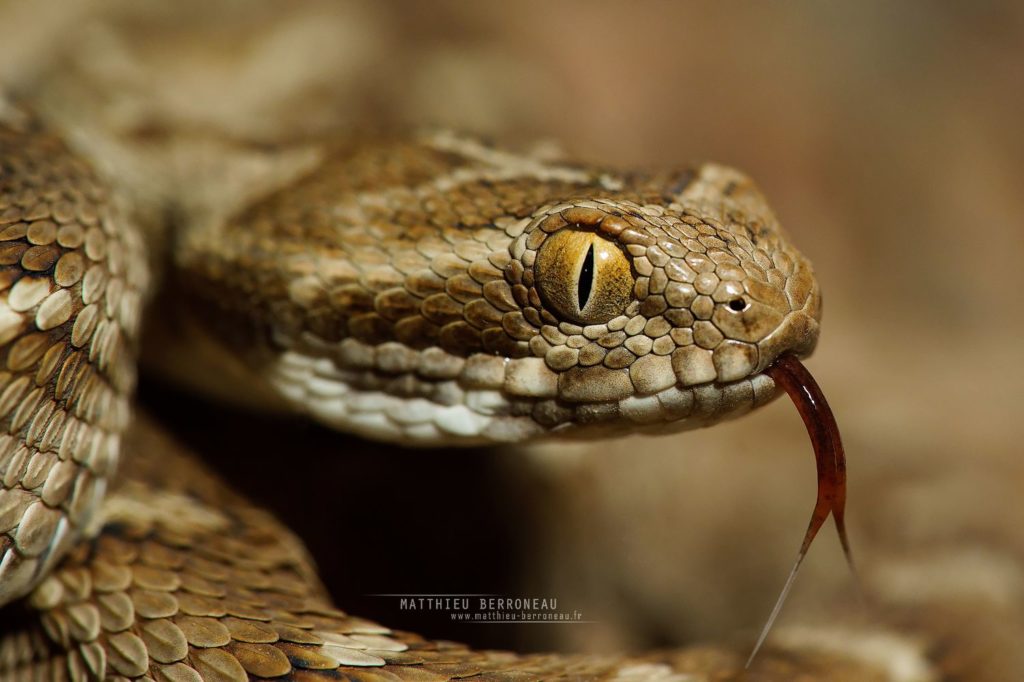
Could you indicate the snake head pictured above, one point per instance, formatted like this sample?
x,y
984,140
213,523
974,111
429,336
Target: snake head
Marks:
x,y
445,291
662,307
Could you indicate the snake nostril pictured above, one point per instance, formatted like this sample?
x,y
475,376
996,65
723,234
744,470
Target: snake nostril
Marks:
x,y
738,304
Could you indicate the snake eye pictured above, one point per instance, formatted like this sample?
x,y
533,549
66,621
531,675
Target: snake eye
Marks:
x,y
583,277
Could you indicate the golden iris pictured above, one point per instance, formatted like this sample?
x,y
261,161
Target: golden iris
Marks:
x,y
583,277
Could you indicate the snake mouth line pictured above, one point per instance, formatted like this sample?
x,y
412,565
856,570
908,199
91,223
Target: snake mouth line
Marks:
x,y
790,374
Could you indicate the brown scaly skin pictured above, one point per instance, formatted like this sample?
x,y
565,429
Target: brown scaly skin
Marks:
x,y
71,275
181,579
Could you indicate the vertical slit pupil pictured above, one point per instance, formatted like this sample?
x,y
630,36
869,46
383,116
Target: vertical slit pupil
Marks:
x,y
585,282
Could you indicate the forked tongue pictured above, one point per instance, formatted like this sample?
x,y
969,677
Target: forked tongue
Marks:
x,y
794,378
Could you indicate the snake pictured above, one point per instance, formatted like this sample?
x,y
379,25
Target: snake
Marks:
x,y
426,289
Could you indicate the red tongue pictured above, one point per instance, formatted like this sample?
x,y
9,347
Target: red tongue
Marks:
x,y
794,378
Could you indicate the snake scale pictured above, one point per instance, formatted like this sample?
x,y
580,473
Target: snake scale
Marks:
x,y
427,290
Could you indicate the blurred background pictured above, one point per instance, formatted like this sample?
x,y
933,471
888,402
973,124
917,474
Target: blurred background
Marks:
x,y
889,139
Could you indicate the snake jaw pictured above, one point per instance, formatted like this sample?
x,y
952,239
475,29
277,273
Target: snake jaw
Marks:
x,y
830,458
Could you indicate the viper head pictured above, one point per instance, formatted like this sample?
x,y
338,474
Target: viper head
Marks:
x,y
444,291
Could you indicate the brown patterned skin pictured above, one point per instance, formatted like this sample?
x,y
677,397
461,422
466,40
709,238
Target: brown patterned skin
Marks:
x,y
71,278
410,273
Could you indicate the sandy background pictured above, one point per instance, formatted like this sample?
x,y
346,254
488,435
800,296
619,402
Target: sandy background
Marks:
x,y
888,139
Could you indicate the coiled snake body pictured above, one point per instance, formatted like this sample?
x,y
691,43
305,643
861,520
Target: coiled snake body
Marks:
x,y
426,290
